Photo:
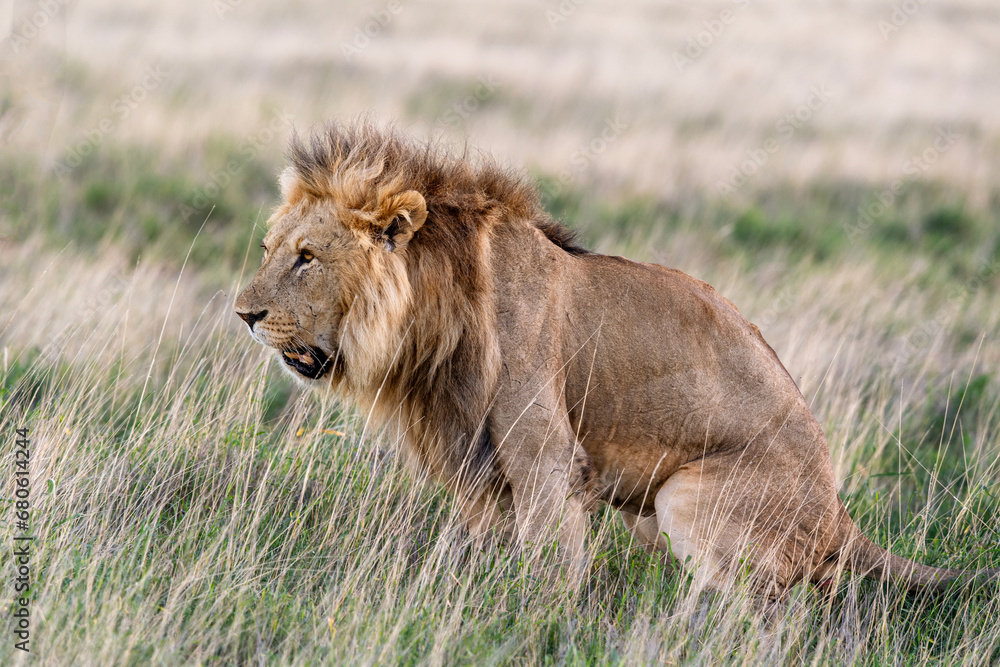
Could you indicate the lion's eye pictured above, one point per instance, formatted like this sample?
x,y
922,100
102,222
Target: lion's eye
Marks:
x,y
305,256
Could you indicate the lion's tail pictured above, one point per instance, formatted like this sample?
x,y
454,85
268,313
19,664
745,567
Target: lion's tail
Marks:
x,y
865,558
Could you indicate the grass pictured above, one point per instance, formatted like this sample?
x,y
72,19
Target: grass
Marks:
x,y
198,531
193,507
148,207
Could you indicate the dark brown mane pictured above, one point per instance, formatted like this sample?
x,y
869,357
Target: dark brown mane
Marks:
x,y
561,235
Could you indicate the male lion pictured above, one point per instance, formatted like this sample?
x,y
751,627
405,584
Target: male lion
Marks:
x,y
532,376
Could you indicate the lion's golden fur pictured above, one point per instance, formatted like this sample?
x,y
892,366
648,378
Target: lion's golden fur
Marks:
x,y
535,378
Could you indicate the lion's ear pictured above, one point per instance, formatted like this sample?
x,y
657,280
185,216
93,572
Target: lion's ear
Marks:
x,y
291,185
402,214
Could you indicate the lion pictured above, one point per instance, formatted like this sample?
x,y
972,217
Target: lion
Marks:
x,y
537,379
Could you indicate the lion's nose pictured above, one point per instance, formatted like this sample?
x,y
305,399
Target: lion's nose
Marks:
x,y
252,318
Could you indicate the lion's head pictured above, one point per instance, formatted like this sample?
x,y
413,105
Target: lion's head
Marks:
x,y
332,295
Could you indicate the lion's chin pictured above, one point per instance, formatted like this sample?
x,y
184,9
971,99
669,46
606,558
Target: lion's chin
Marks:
x,y
310,362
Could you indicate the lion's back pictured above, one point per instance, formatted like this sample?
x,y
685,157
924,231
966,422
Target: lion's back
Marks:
x,y
658,349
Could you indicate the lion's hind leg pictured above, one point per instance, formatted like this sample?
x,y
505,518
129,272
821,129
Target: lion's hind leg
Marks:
x,y
731,522
646,531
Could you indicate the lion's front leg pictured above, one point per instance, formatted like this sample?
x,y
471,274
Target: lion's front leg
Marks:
x,y
549,473
488,514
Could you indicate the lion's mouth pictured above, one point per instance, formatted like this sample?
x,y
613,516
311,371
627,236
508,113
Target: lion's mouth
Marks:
x,y
311,362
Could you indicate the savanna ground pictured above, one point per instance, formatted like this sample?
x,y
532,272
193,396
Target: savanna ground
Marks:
x,y
191,505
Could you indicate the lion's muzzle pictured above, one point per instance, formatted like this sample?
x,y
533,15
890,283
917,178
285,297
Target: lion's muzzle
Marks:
x,y
308,361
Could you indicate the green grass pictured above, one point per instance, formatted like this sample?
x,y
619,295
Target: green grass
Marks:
x,y
822,222
192,506
150,207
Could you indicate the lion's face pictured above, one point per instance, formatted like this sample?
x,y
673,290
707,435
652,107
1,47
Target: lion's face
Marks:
x,y
295,302
332,288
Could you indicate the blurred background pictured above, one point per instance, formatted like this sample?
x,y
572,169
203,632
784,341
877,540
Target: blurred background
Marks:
x,y
683,94
725,103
